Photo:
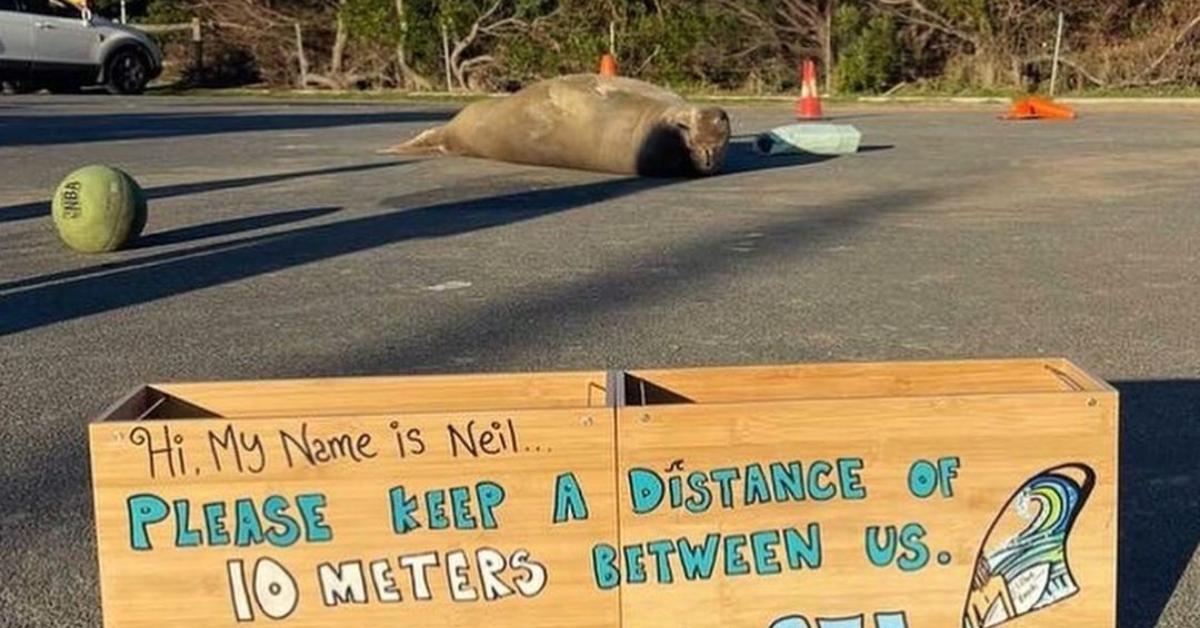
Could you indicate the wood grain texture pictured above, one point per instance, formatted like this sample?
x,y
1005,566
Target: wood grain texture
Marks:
x,y
189,585
369,395
876,379
1002,422
1001,441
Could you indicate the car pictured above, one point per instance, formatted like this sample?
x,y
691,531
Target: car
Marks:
x,y
56,45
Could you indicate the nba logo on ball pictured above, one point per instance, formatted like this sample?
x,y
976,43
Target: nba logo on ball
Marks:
x,y
71,207
98,209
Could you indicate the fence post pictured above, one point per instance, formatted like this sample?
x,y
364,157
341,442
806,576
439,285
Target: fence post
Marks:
x,y
1057,48
446,54
197,45
300,54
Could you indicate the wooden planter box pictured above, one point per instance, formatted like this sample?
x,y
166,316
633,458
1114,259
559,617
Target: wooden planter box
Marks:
x,y
964,494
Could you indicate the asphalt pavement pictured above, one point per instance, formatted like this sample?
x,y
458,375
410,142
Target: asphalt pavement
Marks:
x,y
281,245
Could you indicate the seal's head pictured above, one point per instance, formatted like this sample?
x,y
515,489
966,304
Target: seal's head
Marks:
x,y
705,134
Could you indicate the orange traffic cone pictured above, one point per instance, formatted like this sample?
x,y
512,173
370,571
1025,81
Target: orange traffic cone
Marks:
x,y
1038,108
809,105
608,65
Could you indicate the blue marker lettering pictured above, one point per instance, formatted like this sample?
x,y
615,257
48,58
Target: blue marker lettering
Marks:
x,y
699,561
315,529
568,499
645,490
762,548
144,510
184,535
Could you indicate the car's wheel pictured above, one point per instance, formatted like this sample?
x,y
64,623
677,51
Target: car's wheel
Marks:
x,y
127,72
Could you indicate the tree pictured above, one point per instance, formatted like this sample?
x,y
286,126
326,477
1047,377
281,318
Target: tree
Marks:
x,y
797,28
1007,41
737,44
469,23
997,34
868,51
408,76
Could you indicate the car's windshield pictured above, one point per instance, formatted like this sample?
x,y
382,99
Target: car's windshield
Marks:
x,y
55,8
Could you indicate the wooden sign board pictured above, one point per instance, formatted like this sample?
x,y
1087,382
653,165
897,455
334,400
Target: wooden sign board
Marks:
x,y
312,503
851,510
969,494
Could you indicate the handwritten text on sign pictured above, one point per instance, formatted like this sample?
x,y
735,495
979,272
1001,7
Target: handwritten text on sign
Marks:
x,y
162,520
729,517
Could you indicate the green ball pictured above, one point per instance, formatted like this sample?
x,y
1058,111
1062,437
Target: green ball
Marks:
x,y
98,209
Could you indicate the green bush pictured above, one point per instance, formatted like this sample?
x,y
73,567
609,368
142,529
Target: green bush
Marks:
x,y
168,12
869,50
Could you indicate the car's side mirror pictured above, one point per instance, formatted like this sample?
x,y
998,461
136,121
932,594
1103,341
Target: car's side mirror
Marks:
x,y
87,16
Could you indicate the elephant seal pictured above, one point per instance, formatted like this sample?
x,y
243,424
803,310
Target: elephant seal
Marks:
x,y
587,122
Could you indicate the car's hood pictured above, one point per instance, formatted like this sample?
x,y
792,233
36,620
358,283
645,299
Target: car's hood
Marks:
x,y
103,22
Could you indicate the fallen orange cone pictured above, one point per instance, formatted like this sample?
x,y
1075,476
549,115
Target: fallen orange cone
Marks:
x,y
1038,108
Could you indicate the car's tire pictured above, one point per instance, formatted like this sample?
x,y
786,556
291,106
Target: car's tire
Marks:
x,y
127,72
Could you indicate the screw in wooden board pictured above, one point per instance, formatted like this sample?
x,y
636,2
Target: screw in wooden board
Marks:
x,y
1092,403
645,418
587,421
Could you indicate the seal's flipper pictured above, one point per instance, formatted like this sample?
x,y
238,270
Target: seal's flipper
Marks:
x,y
430,142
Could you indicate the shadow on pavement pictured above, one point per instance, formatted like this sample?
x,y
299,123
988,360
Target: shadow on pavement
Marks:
x,y
186,270
41,209
176,236
228,227
558,315
54,478
41,130
1160,494
505,326
742,157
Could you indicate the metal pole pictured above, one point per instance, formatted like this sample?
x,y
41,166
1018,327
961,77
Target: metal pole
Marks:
x,y
197,45
124,16
1057,49
446,54
300,55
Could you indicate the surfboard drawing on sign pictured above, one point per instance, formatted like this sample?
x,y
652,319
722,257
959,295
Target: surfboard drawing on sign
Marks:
x,y
1022,566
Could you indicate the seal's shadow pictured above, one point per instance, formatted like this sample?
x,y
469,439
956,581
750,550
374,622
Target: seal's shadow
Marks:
x,y
741,157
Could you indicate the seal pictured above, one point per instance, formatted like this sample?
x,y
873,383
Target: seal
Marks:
x,y
587,122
